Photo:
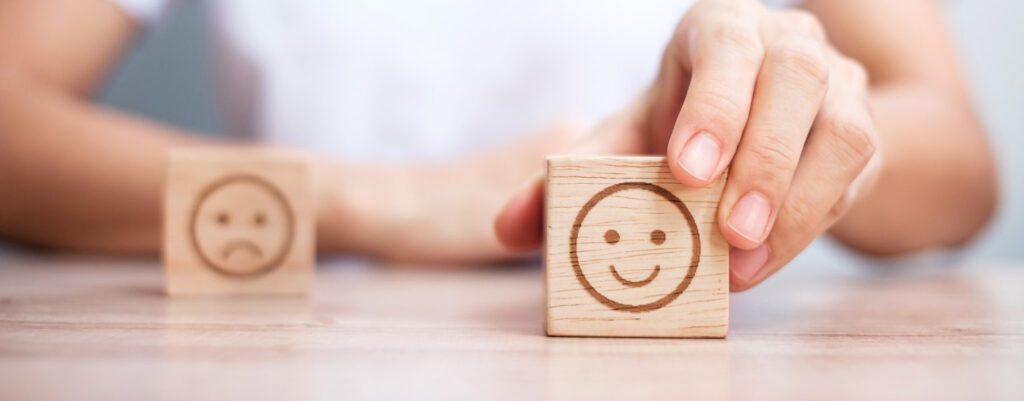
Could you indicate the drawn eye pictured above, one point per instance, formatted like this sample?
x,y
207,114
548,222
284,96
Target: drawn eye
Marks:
x,y
657,237
611,237
223,218
259,219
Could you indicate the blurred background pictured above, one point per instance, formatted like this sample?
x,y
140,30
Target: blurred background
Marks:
x,y
168,76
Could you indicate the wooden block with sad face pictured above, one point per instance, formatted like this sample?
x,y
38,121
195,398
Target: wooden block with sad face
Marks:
x,y
630,252
238,221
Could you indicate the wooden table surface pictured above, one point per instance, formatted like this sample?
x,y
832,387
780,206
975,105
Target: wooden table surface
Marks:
x,y
73,328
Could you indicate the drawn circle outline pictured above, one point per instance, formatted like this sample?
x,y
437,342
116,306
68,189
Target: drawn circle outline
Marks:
x,y
271,264
694,259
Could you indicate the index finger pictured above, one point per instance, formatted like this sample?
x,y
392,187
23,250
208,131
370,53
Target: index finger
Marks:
x,y
724,58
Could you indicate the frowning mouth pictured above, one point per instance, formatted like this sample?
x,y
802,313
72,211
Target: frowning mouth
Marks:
x,y
241,244
630,283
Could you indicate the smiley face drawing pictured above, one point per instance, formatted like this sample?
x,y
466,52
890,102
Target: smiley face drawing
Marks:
x,y
635,247
242,226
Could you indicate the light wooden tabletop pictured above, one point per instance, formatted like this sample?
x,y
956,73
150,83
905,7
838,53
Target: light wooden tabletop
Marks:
x,y
73,328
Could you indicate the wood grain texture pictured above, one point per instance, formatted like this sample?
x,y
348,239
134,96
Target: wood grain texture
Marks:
x,y
630,252
238,221
100,329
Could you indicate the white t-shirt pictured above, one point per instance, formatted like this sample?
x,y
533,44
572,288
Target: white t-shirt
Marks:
x,y
409,80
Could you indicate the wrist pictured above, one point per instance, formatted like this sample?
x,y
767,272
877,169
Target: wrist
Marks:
x,y
338,216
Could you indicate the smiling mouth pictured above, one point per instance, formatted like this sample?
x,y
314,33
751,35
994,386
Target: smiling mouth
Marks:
x,y
631,283
241,245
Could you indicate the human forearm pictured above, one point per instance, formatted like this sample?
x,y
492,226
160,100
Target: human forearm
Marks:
x,y
937,186
74,176
419,214
439,213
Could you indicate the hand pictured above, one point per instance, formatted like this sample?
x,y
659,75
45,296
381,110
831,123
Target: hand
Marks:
x,y
762,93
434,214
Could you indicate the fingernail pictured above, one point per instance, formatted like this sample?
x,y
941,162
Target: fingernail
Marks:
x,y
746,263
700,156
749,217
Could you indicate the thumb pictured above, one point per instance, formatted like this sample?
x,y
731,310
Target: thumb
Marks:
x,y
519,225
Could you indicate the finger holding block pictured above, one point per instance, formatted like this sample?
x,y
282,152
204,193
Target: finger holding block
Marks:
x,y
238,221
631,252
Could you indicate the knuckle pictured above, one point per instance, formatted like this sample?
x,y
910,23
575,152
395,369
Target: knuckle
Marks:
x,y
802,57
774,158
719,109
858,139
734,7
679,46
857,73
805,23
737,36
840,208
801,216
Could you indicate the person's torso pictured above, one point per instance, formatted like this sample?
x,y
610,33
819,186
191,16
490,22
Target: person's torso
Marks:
x,y
399,79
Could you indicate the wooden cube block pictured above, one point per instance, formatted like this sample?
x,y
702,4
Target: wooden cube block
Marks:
x,y
631,252
238,221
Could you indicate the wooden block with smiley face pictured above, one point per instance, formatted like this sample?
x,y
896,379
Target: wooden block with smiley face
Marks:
x,y
238,221
631,252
